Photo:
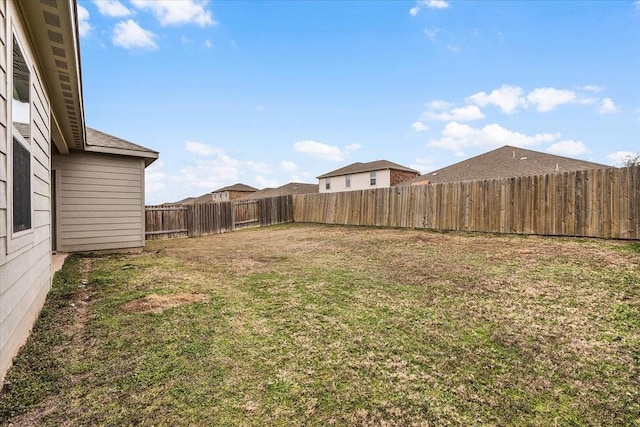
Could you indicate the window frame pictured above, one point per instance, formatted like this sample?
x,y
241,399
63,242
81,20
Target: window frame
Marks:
x,y
373,178
327,183
22,143
347,181
17,240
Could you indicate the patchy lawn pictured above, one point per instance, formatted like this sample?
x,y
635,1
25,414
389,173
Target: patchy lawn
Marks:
x,y
329,325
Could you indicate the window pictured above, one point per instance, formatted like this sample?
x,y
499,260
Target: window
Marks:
x,y
327,184
21,82
21,187
21,118
372,178
347,181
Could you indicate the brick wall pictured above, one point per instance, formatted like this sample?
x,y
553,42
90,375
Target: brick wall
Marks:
x,y
400,176
237,194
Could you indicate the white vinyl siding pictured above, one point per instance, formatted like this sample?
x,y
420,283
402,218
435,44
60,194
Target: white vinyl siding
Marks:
x,y
101,204
357,181
25,261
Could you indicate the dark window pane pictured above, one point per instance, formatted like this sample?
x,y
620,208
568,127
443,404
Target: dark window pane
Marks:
x,y
21,187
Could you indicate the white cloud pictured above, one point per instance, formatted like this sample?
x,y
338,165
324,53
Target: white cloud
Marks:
x,y
591,88
568,148
507,98
201,149
259,167
112,8
177,12
320,150
456,137
265,182
154,178
83,21
442,38
432,34
462,114
129,35
548,98
423,165
352,147
419,127
439,105
637,4
588,101
207,44
608,107
431,4
288,166
619,157
437,4
208,174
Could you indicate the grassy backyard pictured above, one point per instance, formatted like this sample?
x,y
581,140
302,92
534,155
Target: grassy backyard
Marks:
x,y
328,325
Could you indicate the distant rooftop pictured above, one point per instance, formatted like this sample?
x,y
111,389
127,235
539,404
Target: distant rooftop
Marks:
x,y
237,187
359,167
504,162
285,190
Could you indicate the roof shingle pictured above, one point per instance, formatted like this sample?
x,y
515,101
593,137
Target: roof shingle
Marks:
x,y
504,162
237,187
101,142
359,167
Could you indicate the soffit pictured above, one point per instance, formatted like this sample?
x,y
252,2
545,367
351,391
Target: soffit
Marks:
x,y
52,27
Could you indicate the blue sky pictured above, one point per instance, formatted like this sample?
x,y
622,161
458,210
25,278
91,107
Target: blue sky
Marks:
x,y
266,93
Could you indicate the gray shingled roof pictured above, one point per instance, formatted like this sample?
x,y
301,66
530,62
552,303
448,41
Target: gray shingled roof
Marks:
x,y
103,142
187,201
205,198
504,162
285,190
237,187
359,167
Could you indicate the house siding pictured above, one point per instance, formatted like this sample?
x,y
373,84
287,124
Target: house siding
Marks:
x,y
101,204
226,196
359,181
25,261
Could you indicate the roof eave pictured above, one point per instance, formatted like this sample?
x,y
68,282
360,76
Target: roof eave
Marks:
x,y
148,156
384,168
53,30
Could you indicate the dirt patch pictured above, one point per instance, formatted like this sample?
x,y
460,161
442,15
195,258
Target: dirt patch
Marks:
x,y
159,303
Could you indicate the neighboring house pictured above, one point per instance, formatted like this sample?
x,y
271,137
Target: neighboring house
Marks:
x,y
231,192
62,187
285,190
361,176
504,162
224,194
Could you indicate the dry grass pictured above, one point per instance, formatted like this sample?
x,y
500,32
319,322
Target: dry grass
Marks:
x,y
322,325
158,303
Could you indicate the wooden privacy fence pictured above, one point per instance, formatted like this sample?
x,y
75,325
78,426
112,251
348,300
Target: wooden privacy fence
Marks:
x,y
214,218
592,203
165,222
209,218
245,214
